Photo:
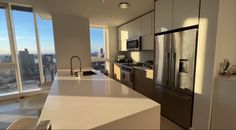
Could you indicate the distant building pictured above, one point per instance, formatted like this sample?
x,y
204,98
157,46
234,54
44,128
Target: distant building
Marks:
x,y
47,60
94,54
27,62
5,58
101,53
49,67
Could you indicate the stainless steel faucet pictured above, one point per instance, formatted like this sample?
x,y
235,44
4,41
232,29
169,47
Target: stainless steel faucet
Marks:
x,y
71,66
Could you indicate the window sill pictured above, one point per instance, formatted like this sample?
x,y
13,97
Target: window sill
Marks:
x,y
17,95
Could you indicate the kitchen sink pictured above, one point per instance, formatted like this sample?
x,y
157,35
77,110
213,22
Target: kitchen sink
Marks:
x,y
85,73
88,73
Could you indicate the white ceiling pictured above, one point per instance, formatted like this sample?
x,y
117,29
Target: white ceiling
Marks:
x,y
99,13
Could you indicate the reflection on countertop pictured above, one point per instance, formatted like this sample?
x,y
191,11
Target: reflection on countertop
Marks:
x,y
97,101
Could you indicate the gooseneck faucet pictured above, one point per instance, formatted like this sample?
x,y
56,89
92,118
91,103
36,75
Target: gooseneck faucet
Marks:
x,y
71,66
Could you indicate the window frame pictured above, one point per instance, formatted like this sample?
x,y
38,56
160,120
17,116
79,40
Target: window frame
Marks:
x,y
14,64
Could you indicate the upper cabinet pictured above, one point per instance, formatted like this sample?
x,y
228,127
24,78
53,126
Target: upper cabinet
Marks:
x,y
148,31
140,27
163,15
123,32
137,27
173,14
123,35
185,13
134,28
148,24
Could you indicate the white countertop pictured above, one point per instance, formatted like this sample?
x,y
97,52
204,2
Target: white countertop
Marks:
x,y
94,101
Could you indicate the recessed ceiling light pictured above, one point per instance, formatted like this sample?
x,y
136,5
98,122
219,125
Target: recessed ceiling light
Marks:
x,y
123,5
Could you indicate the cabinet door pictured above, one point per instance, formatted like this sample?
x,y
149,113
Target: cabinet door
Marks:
x,y
130,29
185,13
123,32
117,72
122,37
142,84
147,24
152,22
163,15
123,45
148,42
137,27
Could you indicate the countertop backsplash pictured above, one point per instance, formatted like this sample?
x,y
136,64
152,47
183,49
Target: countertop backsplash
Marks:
x,y
139,56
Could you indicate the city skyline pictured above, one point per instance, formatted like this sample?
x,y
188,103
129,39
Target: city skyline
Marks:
x,y
26,38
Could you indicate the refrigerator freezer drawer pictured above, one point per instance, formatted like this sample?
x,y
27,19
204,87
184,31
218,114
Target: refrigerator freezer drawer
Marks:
x,y
175,106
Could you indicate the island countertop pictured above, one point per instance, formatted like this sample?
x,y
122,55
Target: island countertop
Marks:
x,y
97,102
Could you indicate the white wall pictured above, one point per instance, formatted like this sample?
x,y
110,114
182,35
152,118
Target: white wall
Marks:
x,y
72,37
226,34
111,48
204,80
217,40
224,88
142,56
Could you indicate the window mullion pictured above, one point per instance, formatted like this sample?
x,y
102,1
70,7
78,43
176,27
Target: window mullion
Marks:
x,y
13,46
38,49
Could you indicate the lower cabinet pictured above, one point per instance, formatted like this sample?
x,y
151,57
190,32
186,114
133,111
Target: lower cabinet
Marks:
x,y
117,72
143,83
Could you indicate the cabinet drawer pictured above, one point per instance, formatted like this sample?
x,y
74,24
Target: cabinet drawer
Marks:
x,y
143,84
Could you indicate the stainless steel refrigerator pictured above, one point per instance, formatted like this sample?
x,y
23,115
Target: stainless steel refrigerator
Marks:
x,y
175,56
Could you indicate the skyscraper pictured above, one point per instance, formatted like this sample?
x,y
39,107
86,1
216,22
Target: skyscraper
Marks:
x,y
27,63
101,53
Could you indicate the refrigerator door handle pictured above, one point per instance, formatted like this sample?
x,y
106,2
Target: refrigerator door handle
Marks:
x,y
168,69
173,79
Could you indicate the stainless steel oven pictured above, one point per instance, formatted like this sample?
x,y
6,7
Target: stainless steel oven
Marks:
x,y
134,44
127,76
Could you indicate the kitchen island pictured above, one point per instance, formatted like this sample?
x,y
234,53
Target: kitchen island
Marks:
x,y
97,102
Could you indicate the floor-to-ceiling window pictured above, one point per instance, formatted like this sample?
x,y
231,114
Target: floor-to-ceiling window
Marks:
x,y
24,28
97,39
47,48
26,59
7,68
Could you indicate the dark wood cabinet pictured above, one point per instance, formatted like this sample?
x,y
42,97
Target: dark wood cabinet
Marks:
x,y
143,82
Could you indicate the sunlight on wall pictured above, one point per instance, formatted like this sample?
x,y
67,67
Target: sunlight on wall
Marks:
x,y
135,56
201,51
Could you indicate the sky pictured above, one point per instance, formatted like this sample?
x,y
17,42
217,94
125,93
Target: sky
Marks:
x,y
25,33
24,29
97,39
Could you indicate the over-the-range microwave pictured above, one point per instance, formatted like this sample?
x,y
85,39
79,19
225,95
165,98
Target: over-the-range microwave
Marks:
x,y
134,44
